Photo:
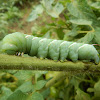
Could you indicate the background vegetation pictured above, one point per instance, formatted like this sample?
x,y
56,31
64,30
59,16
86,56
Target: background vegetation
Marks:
x,y
71,20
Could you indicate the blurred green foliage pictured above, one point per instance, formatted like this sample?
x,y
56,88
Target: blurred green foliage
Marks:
x,y
71,20
8,13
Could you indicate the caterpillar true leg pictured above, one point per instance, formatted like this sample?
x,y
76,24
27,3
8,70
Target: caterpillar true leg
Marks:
x,y
19,54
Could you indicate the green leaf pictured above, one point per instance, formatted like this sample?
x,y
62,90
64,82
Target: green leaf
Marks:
x,y
97,89
64,2
53,11
73,32
0,46
47,35
90,90
81,22
35,13
18,95
47,4
36,96
95,5
46,93
75,82
40,84
5,92
97,35
39,73
80,9
60,33
87,38
58,8
24,75
25,87
82,95
61,23
67,93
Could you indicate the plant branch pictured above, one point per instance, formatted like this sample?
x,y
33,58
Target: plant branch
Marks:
x,y
87,31
30,63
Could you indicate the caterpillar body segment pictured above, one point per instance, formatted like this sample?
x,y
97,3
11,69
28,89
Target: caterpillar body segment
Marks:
x,y
49,48
18,41
34,46
91,53
43,48
54,49
73,52
64,50
21,38
28,42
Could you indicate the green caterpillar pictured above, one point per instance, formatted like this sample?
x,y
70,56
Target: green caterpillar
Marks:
x,y
48,48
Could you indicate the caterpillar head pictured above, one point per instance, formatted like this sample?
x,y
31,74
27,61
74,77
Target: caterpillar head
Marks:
x,y
9,48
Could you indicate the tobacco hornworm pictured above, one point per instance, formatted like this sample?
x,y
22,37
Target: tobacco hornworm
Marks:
x,y
49,48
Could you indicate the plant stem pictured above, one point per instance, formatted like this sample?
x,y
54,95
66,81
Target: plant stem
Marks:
x,y
30,63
